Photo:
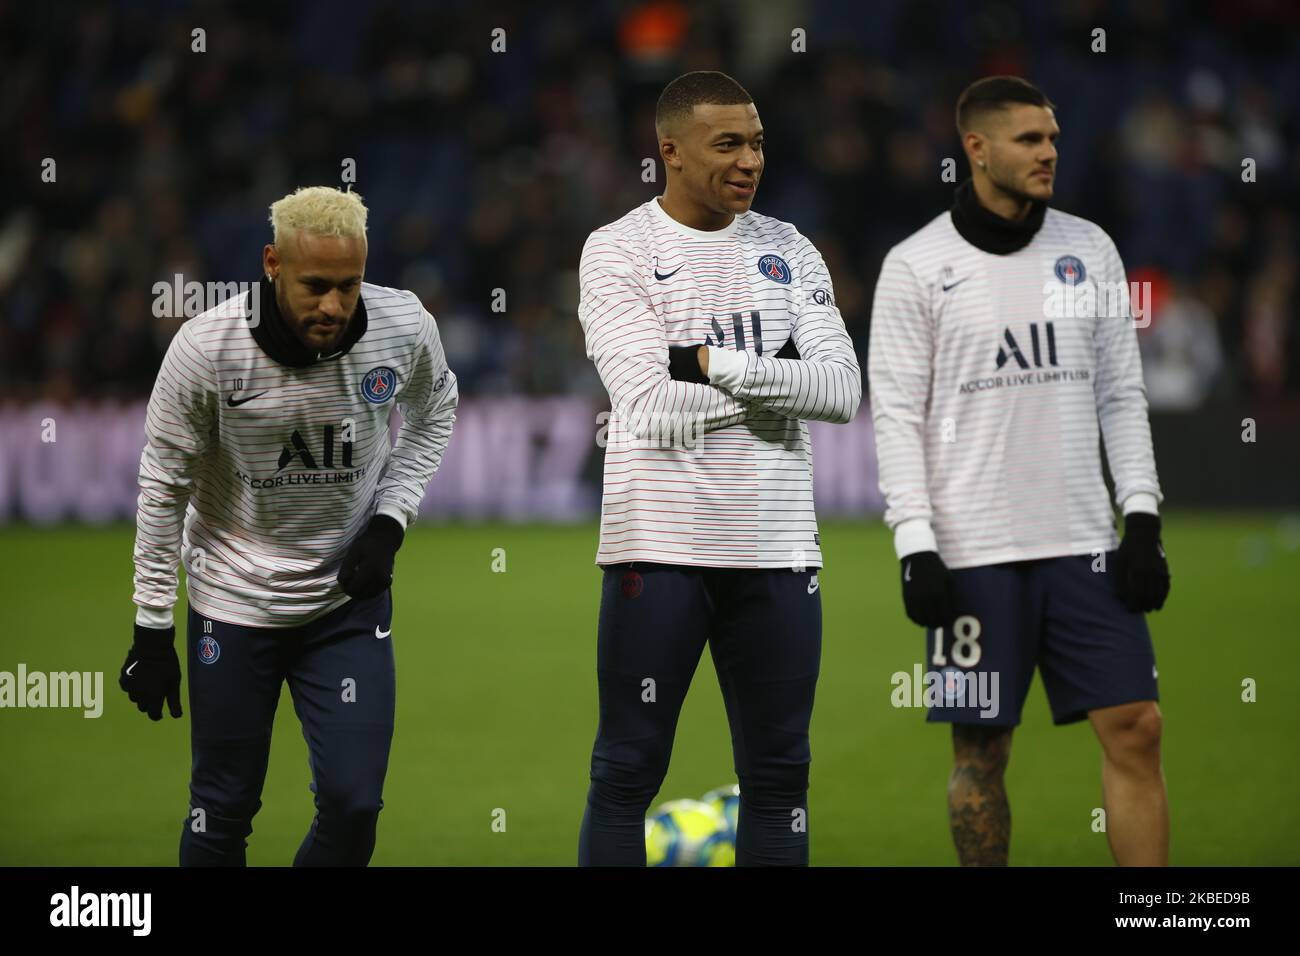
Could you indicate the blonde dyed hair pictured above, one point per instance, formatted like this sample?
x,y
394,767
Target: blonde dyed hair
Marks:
x,y
319,211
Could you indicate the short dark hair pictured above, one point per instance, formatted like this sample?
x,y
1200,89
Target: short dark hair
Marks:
x,y
995,93
682,95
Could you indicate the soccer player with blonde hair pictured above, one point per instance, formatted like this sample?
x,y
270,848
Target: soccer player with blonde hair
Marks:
x,y
270,467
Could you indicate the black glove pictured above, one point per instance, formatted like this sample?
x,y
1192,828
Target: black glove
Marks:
x,y
1141,571
152,672
684,361
927,590
367,568
684,364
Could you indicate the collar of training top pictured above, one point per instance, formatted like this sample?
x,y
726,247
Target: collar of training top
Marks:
x,y
987,230
277,340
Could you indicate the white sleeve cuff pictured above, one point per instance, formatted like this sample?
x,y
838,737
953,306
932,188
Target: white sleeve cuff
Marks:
x,y
153,617
393,512
912,536
1138,501
727,369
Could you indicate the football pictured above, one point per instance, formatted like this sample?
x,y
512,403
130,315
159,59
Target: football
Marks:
x,y
688,833
726,800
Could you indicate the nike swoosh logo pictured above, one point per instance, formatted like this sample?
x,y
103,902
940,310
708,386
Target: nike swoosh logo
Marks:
x,y
131,668
236,402
813,585
955,284
382,634
907,571
661,276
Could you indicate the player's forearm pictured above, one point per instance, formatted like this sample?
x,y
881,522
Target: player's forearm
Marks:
x,y
1129,453
648,403
154,599
808,389
157,555
415,458
1121,400
1126,432
168,464
900,396
903,482
669,410
411,467
899,421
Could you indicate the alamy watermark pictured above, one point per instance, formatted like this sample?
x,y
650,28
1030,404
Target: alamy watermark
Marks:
x,y
75,909
947,687
681,430
1098,300
178,298
83,690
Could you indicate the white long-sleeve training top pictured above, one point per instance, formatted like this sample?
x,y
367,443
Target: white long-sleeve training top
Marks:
x,y
716,475
272,470
992,378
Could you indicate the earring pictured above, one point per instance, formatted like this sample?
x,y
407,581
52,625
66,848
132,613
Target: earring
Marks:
x,y
981,162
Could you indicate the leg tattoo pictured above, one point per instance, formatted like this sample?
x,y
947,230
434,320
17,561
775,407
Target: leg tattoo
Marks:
x,y
978,811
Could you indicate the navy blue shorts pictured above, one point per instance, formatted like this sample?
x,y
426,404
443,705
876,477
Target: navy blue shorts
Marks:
x,y
341,677
1056,614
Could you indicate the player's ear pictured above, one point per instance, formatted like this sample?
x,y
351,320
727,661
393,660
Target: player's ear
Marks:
x,y
270,260
668,150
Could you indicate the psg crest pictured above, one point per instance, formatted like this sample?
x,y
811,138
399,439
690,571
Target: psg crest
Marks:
x,y
1069,269
379,384
774,268
209,649
631,584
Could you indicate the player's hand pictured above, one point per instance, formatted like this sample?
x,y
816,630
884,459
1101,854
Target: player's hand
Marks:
x,y
152,672
684,361
684,364
927,590
1141,571
367,568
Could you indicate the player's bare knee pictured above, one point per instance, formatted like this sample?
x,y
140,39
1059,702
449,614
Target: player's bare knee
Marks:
x,y
1132,734
1148,726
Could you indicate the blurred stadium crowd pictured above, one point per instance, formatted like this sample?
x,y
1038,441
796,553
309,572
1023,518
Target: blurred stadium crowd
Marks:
x,y
486,170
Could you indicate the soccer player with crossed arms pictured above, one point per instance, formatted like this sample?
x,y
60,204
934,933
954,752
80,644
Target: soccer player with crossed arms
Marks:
x,y
714,330
1002,348
269,464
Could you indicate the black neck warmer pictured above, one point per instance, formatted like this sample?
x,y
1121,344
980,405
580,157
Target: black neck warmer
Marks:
x,y
987,230
277,340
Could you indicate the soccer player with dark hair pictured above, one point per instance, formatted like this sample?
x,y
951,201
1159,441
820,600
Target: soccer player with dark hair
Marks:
x,y
715,331
1002,351
269,464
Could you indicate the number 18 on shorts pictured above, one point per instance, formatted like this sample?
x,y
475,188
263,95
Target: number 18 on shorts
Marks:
x,y
1059,616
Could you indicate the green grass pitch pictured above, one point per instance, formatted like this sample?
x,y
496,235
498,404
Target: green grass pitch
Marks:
x,y
496,709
